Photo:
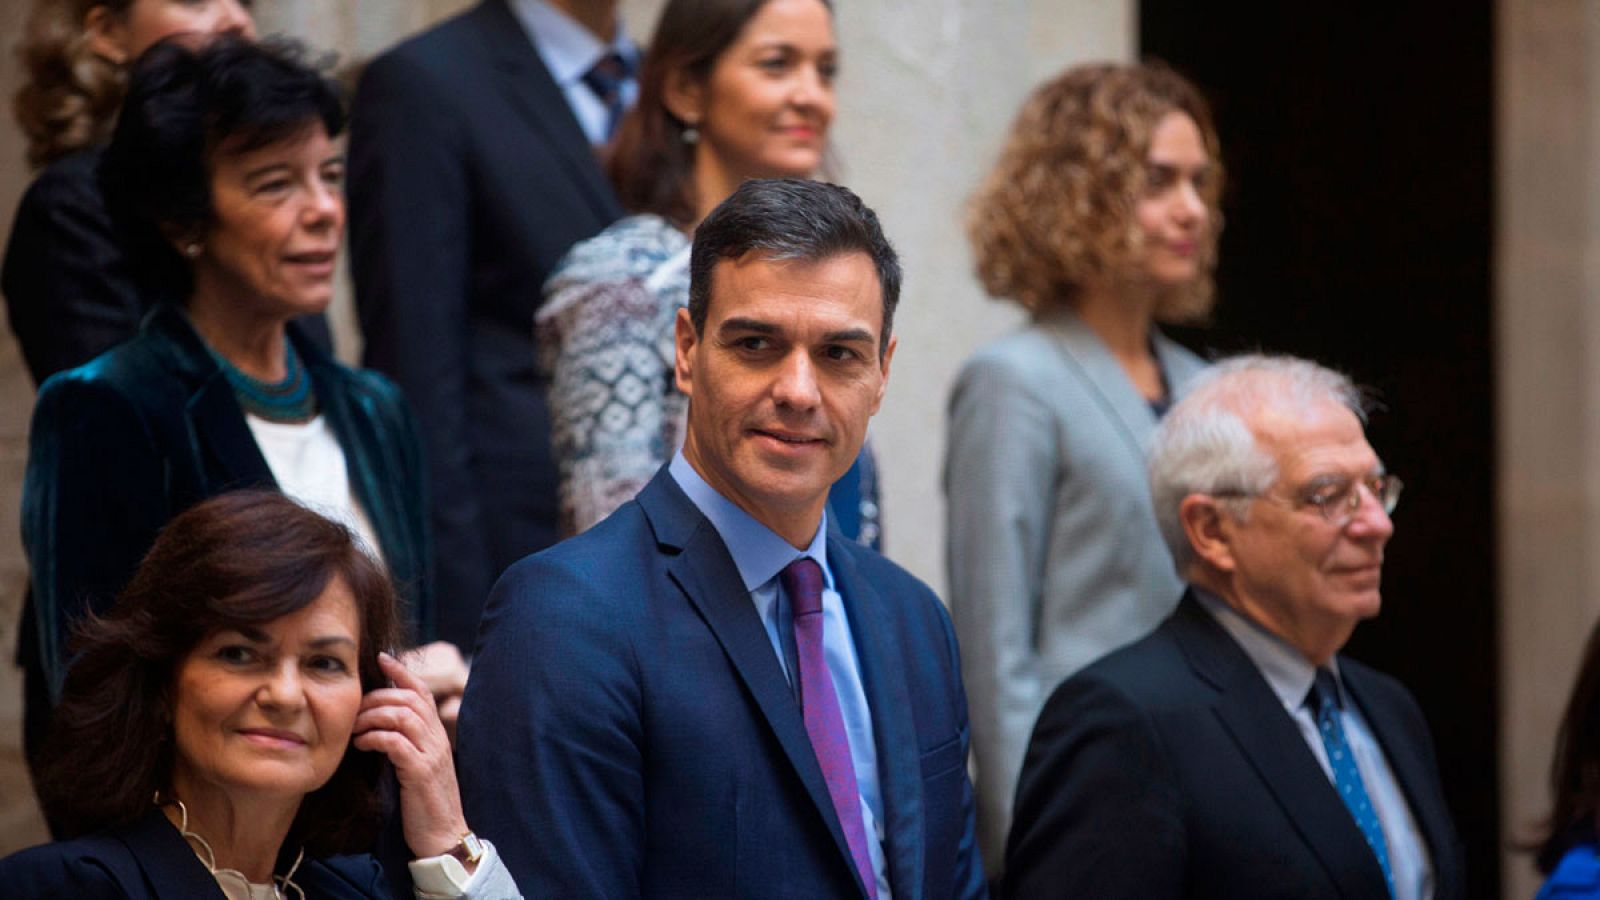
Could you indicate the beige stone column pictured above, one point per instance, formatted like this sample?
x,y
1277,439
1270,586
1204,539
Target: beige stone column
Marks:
x,y
20,824
1548,364
927,91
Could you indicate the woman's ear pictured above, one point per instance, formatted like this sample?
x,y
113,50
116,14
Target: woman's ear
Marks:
x,y
106,34
189,242
684,96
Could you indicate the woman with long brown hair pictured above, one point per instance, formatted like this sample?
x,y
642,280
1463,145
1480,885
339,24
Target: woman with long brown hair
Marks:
x,y
225,727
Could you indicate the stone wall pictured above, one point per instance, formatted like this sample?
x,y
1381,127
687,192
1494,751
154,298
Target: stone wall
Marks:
x,y
19,822
1547,356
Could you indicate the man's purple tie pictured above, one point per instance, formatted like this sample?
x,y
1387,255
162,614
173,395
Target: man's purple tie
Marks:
x,y
819,705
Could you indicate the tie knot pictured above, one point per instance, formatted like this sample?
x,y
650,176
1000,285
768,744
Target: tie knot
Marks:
x,y
1325,692
606,76
802,581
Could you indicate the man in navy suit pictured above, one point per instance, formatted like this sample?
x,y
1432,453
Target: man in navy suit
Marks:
x,y
472,171
1233,752
712,693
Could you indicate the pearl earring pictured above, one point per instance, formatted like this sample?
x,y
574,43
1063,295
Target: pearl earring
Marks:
x,y
691,135
192,249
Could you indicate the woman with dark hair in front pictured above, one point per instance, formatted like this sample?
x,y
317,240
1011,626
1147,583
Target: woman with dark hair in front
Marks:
x,y
223,730
1100,219
1568,849
225,182
730,90
68,289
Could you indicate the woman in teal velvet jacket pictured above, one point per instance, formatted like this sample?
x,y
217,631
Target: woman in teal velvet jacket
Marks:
x,y
226,186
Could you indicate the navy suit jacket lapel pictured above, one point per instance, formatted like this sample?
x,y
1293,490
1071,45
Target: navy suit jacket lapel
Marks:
x,y
541,101
169,867
883,678
1266,735
704,570
1413,769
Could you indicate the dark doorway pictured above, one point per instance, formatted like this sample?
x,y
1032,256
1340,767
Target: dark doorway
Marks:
x,y
1358,142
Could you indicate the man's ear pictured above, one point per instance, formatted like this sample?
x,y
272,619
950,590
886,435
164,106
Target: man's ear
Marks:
x,y
685,338
684,96
106,34
1209,529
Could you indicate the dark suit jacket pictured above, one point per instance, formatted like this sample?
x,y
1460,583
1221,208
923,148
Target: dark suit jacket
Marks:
x,y
150,859
1170,769
70,292
628,730
469,178
122,445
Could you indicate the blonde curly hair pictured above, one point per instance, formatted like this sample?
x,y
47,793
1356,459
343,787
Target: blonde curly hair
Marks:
x,y
70,97
1057,210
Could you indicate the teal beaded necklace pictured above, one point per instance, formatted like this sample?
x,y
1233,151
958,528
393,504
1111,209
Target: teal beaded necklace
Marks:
x,y
290,401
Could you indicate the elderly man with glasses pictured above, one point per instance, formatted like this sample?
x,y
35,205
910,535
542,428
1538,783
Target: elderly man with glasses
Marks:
x,y
1233,752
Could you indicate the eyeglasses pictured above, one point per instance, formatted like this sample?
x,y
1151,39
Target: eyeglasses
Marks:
x,y
1339,501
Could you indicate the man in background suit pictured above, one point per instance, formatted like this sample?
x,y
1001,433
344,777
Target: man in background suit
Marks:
x,y
1233,753
472,170
712,693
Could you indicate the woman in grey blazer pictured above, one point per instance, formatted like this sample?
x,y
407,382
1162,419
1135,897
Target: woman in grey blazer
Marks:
x,y
1100,219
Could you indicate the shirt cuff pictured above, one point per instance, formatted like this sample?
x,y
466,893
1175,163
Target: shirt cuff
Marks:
x,y
444,877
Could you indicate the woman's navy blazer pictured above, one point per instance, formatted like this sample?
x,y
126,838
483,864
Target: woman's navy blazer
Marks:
x,y
150,859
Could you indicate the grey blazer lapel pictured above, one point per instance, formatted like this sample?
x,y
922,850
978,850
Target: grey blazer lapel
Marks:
x,y
1084,352
1177,362
1268,739
889,698
704,570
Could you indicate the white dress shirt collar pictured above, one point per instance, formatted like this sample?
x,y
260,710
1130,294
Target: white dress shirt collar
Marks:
x,y
568,49
1286,670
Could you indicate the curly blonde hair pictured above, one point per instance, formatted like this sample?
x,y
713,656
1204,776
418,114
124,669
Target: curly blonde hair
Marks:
x,y
70,96
1057,210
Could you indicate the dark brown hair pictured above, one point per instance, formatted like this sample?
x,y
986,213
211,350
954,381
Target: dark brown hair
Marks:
x,y
791,218
649,164
70,95
184,108
241,558
1575,772
1057,210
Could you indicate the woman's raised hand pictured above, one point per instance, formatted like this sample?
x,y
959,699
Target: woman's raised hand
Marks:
x,y
402,722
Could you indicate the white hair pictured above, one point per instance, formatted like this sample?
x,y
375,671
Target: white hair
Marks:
x,y
1205,444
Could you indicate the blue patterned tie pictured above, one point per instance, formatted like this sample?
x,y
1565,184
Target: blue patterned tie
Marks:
x,y
1325,703
606,79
